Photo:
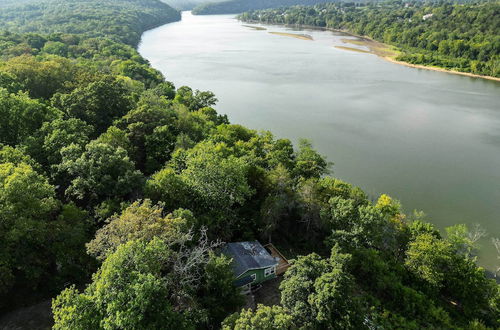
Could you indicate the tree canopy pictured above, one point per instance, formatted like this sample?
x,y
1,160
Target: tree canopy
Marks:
x,y
106,168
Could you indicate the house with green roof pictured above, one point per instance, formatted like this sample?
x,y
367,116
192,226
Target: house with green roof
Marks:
x,y
252,263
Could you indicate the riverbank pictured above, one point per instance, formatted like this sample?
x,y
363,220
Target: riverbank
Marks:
x,y
382,50
390,53
435,68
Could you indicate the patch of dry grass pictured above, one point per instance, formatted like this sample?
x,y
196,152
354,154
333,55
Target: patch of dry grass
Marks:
x,y
353,49
259,28
294,35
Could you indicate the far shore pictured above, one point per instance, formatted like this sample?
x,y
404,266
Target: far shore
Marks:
x,y
378,50
435,68
389,53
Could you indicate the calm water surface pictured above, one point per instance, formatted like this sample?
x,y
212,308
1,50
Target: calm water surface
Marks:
x,y
428,138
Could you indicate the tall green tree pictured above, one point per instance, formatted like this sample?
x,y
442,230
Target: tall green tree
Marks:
x,y
27,205
195,100
263,318
99,173
42,78
21,117
97,104
141,220
319,293
128,292
46,144
309,163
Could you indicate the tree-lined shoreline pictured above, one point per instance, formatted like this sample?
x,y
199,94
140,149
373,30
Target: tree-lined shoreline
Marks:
x,y
426,34
389,58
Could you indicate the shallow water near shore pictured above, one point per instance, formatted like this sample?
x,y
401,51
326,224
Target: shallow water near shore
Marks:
x,y
430,139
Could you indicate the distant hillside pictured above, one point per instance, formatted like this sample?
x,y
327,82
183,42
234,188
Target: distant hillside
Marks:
x,y
240,6
7,3
185,4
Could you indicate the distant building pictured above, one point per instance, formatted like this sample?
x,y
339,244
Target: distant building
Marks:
x,y
254,264
427,16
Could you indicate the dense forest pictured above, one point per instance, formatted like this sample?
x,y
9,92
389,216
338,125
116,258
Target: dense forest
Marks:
x,y
461,37
122,21
7,3
117,190
240,6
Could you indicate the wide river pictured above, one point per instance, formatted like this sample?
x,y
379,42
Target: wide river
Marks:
x,y
429,139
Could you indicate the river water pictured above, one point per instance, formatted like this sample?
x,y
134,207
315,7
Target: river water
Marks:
x,y
429,139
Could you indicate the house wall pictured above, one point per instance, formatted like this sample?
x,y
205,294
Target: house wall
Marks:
x,y
259,274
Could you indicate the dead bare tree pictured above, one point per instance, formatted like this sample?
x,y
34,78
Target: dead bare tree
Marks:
x,y
309,202
476,233
189,264
190,258
496,243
